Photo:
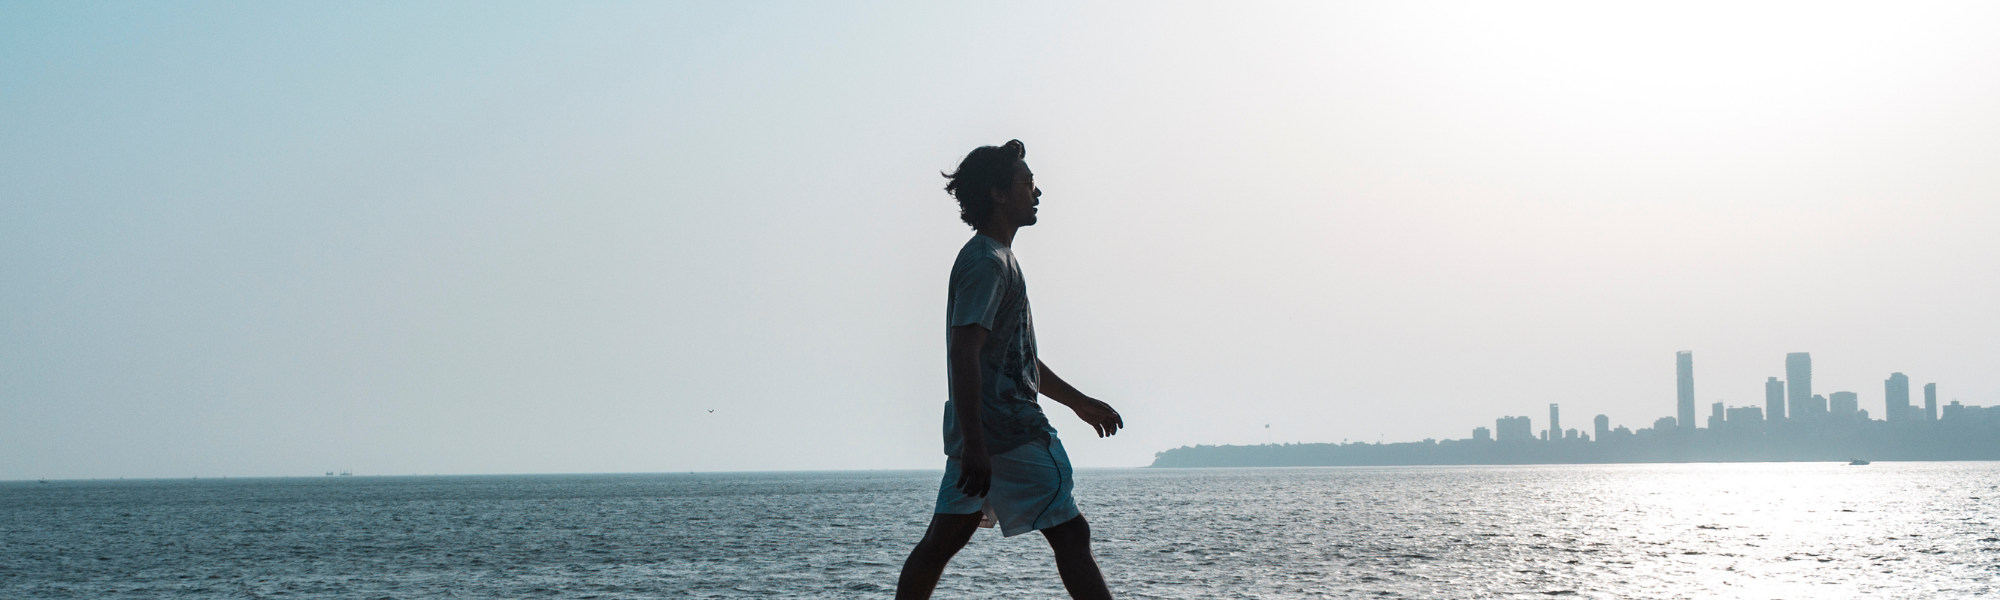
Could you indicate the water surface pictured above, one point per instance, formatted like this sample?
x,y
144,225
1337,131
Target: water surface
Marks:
x,y
1768,530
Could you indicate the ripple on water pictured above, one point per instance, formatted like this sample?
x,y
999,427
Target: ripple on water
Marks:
x,y
1604,531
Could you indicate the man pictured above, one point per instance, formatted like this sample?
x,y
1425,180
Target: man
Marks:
x,y
1004,462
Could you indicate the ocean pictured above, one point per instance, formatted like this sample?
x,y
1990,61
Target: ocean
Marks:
x,y
1736,530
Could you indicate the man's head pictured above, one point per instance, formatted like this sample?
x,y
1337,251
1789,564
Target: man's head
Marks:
x,y
994,186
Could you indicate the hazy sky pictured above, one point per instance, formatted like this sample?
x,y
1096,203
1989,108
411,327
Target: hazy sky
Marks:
x,y
280,239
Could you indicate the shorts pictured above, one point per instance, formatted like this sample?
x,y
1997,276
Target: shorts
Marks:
x,y
1030,492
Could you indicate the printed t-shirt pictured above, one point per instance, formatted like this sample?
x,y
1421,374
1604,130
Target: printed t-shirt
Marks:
x,y
987,290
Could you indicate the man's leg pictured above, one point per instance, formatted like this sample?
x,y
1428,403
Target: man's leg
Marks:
x,y
1071,541
946,535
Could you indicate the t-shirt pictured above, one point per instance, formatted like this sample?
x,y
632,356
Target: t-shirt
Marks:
x,y
987,290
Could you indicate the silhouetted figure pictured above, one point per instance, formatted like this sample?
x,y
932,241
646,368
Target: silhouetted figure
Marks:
x,y
1004,462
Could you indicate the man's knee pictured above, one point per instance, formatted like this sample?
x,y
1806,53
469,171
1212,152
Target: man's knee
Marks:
x,y
950,531
1074,532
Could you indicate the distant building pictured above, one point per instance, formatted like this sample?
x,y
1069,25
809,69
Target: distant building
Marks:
x,y
1715,416
1663,424
1896,398
1774,399
1798,382
1482,434
1930,402
1555,423
1816,406
1960,415
1570,434
1684,384
1603,427
1745,417
1513,429
1844,404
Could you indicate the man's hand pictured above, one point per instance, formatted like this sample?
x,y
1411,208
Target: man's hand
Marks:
x,y
975,473
1099,415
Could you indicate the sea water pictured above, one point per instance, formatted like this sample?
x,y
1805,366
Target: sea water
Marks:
x,y
1767,530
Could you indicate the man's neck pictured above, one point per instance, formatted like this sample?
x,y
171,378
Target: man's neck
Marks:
x,y
1001,233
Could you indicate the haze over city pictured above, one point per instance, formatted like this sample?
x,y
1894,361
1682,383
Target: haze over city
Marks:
x,y
266,240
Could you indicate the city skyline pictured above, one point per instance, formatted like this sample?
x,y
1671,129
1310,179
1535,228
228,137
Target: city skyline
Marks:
x,y
1819,428
1795,390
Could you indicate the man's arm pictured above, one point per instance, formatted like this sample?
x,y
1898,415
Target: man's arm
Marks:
x,y
975,470
1099,415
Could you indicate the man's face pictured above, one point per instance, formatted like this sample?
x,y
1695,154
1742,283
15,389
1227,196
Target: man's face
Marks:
x,y
1016,203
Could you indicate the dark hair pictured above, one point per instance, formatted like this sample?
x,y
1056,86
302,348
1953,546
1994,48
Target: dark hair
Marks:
x,y
986,169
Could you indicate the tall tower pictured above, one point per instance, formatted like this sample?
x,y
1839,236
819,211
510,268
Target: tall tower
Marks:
x,y
1896,397
1930,402
1774,400
1684,367
1603,427
1798,383
1555,423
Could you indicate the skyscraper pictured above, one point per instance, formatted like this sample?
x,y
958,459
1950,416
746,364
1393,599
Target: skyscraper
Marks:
x,y
1930,402
1684,380
1844,404
1798,383
1510,429
1555,423
1715,416
1896,397
1774,400
1603,427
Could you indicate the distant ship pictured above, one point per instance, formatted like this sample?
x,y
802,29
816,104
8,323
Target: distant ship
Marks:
x,y
345,473
1856,462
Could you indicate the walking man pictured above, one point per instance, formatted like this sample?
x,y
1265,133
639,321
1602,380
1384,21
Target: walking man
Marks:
x,y
1005,465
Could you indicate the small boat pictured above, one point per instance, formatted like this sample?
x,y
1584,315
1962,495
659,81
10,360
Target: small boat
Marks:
x,y
1856,462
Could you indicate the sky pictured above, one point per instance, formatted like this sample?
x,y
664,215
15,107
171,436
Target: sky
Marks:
x,y
257,239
